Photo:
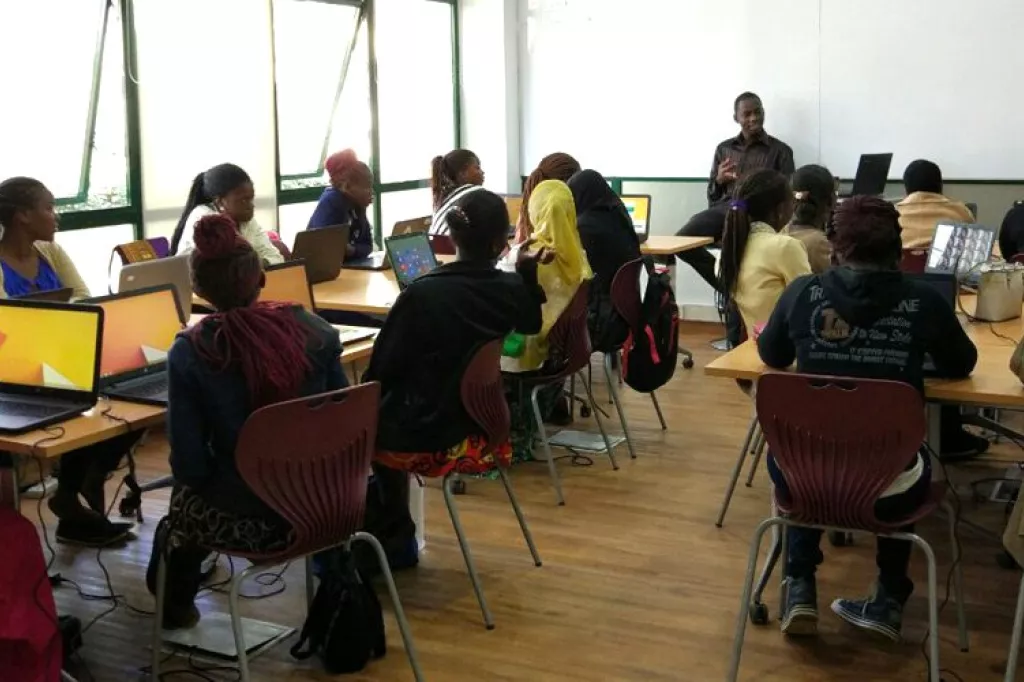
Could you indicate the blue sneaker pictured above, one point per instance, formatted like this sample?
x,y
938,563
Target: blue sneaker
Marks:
x,y
800,618
879,614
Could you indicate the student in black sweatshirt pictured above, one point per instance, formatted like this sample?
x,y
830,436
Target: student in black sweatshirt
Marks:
x,y
432,331
822,322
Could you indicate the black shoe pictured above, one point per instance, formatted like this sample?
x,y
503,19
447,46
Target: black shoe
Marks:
x,y
561,415
801,615
962,445
879,614
70,635
95,532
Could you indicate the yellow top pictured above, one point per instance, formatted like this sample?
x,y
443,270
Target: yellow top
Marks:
x,y
770,262
553,215
819,249
62,264
922,211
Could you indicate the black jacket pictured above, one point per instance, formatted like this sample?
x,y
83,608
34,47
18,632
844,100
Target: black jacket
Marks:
x,y
429,336
610,242
873,324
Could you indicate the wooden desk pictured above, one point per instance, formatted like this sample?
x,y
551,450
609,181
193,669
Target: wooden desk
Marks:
x,y
358,291
670,245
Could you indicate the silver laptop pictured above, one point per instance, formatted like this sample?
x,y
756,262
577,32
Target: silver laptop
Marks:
x,y
961,249
49,362
173,270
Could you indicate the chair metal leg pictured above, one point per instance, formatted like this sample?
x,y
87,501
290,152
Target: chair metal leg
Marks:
x,y
396,603
236,625
958,579
527,535
600,424
758,451
310,588
741,617
470,566
613,391
736,472
161,593
552,469
1018,628
933,602
774,553
657,408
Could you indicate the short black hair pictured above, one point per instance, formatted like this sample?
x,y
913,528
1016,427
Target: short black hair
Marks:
x,y
743,98
478,224
18,194
922,176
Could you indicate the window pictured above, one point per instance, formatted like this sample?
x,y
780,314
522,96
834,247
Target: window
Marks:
x,y
71,130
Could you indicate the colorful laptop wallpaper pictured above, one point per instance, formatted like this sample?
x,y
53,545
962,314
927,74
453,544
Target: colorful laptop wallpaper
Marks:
x,y
48,348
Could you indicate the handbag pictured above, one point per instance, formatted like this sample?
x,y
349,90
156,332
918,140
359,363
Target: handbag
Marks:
x,y
1000,292
137,252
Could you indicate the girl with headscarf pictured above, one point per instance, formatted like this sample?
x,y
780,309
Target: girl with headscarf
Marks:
x,y
557,166
607,234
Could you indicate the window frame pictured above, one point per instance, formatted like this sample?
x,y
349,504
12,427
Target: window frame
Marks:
x,y
368,14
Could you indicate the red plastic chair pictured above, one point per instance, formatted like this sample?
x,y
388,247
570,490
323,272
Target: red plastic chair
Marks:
x,y
308,460
1018,258
568,355
914,260
841,443
442,245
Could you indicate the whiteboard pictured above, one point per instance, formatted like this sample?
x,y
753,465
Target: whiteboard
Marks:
x,y
645,88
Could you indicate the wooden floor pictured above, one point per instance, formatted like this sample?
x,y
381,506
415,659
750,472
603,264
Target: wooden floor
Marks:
x,y
637,582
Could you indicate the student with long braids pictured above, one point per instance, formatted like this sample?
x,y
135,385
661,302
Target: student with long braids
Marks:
x,y
226,189
452,177
814,195
757,262
243,357
558,166
346,200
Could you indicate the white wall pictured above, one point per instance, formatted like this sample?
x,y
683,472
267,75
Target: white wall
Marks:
x,y
206,89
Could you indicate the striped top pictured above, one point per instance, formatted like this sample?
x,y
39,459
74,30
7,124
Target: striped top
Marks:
x,y
440,223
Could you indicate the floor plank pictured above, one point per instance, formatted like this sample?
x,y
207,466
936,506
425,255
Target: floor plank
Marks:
x,y
637,582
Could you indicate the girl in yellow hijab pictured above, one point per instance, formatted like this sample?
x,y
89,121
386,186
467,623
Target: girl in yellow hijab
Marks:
x,y
553,215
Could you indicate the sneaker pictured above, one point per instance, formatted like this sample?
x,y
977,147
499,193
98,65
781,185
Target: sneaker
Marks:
x,y
879,614
92,532
801,615
962,445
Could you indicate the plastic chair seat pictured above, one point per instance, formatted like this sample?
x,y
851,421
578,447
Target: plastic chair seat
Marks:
x,y
936,495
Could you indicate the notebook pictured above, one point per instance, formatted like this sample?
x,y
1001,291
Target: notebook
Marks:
x,y
411,257
287,283
49,362
138,331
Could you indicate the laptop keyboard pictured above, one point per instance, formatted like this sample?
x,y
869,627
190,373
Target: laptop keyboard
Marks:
x,y
30,411
154,386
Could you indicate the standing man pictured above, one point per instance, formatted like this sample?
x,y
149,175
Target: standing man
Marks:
x,y
751,150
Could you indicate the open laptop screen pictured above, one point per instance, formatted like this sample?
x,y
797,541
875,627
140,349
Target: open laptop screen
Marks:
x,y
287,283
138,330
46,346
639,208
960,248
411,256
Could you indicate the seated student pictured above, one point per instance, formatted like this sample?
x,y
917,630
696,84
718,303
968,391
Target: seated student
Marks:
x,y
1011,233
452,176
757,262
243,357
558,166
432,331
925,205
814,194
610,242
30,262
836,312
224,189
345,202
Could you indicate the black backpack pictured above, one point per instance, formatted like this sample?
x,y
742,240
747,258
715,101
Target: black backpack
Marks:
x,y
652,347
345,626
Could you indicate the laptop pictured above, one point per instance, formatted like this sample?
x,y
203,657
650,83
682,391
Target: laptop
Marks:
x,y
960,249
412,226
323,250
639,208
288,283
411,255
49,362
53,295
872,175
945,283
378,260
173,270
138,330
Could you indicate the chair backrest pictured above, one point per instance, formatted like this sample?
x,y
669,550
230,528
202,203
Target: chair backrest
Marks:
x,y
1018,258
914,260
442,245
625,292
309,460
483,394
839,442
569,338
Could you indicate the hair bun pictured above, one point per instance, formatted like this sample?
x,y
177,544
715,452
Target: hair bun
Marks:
x,y
341,162
216,236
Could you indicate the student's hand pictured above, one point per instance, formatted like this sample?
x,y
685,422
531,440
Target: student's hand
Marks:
x,y
544,255
726,172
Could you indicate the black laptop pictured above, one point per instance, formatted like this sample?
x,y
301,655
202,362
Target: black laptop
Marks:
x,y
411,255
946,284
378,260
49,362
323,250
872,175
139,329
53,295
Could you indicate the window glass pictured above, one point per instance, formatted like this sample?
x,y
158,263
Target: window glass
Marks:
x,y
90,251
403,205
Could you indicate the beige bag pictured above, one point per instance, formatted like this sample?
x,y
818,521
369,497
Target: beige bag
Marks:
x,y
1000,292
